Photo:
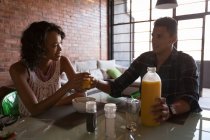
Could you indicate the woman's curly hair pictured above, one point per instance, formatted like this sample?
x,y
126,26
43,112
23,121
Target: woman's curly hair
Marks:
x,y
33,39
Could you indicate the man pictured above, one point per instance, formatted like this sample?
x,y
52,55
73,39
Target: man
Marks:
x,y
177,71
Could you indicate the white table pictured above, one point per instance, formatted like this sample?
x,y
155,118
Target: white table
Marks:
x,y
57,124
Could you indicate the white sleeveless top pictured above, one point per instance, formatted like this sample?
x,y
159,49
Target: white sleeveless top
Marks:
x,y
41,89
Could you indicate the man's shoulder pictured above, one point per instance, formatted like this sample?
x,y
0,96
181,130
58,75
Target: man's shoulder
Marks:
x,y
184,56
185,60
146,55
144,59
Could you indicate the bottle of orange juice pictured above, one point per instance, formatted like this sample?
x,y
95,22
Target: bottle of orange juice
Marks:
x,y
150,89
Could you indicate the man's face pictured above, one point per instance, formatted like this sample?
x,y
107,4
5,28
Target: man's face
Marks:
x,y
162,40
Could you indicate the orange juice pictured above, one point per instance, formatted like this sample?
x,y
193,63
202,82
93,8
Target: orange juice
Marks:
x,y
150,90
86,83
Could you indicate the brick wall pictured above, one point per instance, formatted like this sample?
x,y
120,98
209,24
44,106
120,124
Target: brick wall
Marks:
x,y
84,22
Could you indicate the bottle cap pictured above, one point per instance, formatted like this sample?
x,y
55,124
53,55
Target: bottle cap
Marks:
x,y
152,69
110,107
91,106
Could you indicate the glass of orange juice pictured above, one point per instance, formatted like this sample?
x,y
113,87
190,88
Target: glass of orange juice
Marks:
x,y
86,83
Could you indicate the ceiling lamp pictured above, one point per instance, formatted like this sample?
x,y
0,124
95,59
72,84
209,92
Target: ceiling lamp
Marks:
x,y
166,4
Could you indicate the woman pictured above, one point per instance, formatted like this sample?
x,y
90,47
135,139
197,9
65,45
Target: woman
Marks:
x,y
37,75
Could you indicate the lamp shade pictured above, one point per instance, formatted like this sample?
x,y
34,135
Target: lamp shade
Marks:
x,y
166,4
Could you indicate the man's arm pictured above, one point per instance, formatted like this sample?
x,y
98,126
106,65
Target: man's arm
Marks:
x,y
188,84
186,98
103,86
115,88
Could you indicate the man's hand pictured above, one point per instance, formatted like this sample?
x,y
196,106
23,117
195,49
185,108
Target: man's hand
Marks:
x,y
161,110
93,82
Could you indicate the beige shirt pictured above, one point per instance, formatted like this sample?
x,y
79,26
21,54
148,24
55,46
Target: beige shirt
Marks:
x,y
42,90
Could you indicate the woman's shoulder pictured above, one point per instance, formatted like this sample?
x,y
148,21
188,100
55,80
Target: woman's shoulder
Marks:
x,y
18,68
65,64
64,59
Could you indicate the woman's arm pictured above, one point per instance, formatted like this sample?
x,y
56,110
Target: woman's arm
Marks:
x,y
67,68
68,99
19,75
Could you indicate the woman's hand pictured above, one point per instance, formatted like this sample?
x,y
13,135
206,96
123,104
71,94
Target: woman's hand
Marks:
x,y
68,99
161,110
77,81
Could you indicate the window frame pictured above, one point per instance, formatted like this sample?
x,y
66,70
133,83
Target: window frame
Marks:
x,y
177,17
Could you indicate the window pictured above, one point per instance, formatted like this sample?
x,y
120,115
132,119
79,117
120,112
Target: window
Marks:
x,y
207,40
141,38
132,25
190,7
209,5
190,37
121,33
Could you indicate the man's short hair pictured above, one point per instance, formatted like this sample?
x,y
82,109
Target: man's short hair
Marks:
x,y
169,23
